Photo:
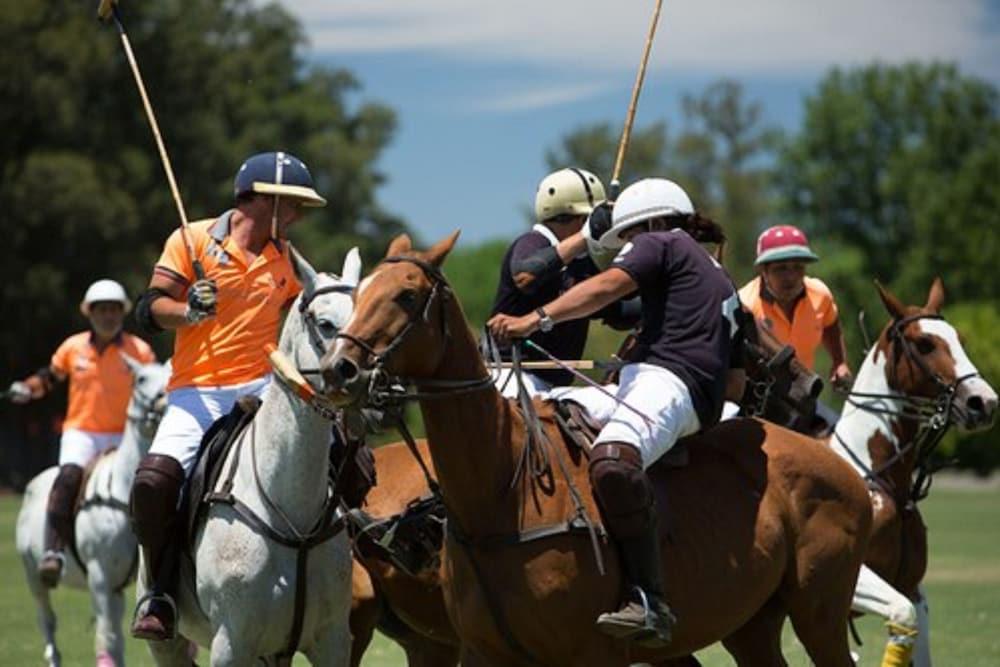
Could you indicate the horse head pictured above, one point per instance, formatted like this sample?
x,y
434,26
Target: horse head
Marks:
x,y
779,388
400,323
321,310
149,394
924,359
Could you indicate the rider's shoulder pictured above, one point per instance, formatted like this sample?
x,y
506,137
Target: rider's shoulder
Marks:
x,y
818,291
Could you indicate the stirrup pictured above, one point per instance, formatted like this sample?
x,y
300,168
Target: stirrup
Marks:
x,y
151,597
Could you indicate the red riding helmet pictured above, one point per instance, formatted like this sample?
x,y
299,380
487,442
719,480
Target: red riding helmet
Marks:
x,y
781,243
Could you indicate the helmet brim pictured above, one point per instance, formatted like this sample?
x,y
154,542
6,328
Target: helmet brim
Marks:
x,y
85,305
307,196
612,239
788,253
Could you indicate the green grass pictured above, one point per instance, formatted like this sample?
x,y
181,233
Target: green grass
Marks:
x,y
963,584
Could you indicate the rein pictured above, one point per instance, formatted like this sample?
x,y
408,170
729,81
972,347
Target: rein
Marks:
x,y
931,415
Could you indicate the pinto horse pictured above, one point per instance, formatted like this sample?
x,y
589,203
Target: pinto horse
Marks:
x,y
914,383
773,524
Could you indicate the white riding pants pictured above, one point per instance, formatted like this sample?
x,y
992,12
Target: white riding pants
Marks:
x,y
78,447
190,411
652,412
506,383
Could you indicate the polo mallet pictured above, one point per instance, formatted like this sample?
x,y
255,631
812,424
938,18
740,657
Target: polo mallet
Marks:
x,y
109,9
616,185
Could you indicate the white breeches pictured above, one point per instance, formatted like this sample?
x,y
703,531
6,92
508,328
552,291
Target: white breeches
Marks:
x,y
190,411
80,447
653,409
506,384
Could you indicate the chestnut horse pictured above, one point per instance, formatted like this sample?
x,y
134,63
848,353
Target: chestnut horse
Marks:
x,y
766,524
914,383
409,606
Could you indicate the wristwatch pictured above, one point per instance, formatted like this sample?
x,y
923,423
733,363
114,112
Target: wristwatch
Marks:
x,y
546,323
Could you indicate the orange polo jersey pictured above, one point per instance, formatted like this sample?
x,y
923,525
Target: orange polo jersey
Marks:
x,y
100,382
228,348
814,312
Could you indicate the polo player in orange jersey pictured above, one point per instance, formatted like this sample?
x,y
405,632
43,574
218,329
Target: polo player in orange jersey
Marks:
x,y
100,385
222,321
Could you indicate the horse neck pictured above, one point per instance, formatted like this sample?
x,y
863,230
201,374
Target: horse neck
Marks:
x,y
470,436
133,447
871,438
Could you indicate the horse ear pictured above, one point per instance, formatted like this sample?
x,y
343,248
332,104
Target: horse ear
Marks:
x,y
399,246
303,270
893,305
440,250
351,273
133,364
935,298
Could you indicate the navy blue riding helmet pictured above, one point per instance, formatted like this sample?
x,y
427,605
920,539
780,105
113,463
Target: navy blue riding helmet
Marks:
x,y
277,173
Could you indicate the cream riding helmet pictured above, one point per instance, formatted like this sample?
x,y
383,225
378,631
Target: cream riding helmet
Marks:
x,y
104,290
641,202
567,192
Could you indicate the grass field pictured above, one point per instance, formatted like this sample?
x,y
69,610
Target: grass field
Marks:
x,y
963,584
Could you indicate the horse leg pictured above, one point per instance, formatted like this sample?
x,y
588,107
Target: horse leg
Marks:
x,y
364,613
424,652
818,608
873,595
758,642
922,650
176,652
108,606
45,615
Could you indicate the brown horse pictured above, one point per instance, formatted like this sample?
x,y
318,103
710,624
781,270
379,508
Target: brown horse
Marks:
x,y
409,607
765,523
915,382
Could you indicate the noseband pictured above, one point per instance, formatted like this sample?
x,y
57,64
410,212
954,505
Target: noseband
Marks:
x,y
383,386
932,415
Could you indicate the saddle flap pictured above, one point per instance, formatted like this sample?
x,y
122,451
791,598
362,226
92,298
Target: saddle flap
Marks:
x,y
212,454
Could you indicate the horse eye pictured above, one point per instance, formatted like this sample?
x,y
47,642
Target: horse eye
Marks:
x,y
326,327
407,298
925,345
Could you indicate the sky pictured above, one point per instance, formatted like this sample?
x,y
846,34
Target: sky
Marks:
x,y
482,89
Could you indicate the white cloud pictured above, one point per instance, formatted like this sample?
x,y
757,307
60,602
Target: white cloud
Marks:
x,y
719,36
536,97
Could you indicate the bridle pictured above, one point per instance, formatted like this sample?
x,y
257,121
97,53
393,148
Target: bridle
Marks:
x,y
931,415
384,388
146,414
312,325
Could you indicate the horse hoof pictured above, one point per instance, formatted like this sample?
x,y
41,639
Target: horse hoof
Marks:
x,y
104,659
52,656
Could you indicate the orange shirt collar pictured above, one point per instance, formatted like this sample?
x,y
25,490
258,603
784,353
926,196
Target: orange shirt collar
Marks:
x,y
220,232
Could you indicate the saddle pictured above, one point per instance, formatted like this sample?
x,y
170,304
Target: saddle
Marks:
x,y
212,453
82,501
410,540
580,429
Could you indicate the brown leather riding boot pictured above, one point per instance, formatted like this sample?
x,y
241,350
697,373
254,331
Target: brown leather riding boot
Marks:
x,y
154,509
625,497
59,523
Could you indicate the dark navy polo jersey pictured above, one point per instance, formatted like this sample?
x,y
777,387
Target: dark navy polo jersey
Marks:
x,y
689,320
567,339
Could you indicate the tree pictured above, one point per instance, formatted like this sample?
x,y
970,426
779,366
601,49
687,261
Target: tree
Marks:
x,y
901,162
84,194
722,158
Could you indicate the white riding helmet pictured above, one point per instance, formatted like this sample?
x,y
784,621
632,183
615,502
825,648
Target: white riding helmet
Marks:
x,y
645,200
569,191
105,290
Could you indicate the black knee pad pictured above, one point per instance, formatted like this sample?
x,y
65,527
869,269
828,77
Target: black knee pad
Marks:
x,y
621,488
65,489
153,502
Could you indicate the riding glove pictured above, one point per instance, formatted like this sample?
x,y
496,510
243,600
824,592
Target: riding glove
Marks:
x,y
201,300
19,392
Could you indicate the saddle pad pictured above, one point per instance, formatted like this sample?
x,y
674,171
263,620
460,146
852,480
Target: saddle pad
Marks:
x,y
212,453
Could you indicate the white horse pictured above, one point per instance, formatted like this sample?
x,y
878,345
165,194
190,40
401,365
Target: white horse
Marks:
x,y
914,383
104,539
239,600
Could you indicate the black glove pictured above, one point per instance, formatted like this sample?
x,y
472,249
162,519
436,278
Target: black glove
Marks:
x,y
599,220
201,300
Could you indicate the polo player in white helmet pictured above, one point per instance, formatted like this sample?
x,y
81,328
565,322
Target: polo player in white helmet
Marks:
x,y
691,338
546,261
100,385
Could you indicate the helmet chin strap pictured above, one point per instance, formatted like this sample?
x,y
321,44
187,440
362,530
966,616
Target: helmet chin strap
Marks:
x,y
274,219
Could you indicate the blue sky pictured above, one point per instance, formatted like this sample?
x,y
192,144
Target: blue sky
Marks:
x,y
481,89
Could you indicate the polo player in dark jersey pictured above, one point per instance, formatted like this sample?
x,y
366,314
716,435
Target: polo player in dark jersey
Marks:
x,y
548,260
689,343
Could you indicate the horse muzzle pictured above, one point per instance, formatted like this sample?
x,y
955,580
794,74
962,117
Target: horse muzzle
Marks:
x,y
344,381
976,406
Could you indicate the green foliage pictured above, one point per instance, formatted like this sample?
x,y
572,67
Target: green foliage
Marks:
x,y
84,191
721,158
901,162
979,327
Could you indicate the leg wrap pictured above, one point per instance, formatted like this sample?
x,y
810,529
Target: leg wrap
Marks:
x,y
622,490
153,506
59,511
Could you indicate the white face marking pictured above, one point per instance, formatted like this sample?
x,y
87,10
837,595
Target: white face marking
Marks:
x,y
974,386
364,284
